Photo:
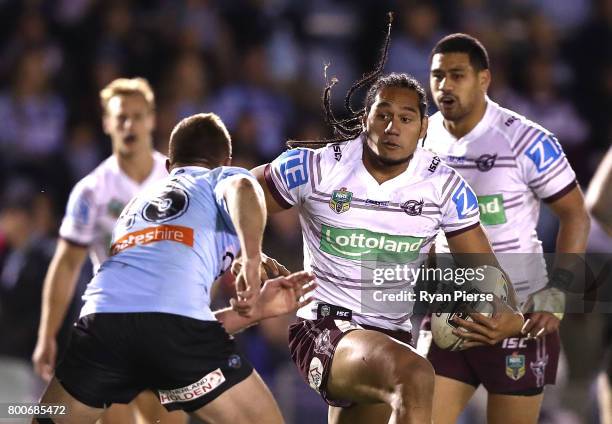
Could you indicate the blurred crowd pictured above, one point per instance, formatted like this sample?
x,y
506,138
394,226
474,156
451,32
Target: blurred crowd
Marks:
x,y
259,65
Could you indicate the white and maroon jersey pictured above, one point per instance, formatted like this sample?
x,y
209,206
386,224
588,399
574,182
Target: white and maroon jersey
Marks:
x,y
351,223
511,163
96,202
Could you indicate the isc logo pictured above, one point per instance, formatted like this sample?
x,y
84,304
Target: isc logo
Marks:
x,y
514,343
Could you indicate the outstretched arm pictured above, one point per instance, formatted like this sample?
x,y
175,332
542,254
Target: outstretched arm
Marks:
x,y
278,296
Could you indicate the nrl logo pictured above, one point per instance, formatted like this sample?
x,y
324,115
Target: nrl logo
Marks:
x,y
413,207
341,200
485,162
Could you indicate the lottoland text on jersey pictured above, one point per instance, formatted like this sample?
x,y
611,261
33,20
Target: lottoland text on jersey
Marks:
x,y
442,281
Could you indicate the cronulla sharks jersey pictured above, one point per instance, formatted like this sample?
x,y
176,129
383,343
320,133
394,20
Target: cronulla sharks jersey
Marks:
x,y
169,245
353,226
511,163
96,202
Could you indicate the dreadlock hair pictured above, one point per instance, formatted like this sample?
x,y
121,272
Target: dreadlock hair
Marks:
x,y
350,127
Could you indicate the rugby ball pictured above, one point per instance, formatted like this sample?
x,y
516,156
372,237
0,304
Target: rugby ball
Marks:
x,y
460,300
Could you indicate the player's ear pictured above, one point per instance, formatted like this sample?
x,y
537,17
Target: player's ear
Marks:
x,y
484,79
227,161
424,125
105,124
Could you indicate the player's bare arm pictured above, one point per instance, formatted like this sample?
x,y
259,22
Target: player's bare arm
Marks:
x,y
246,206
574,226
507,321
58,290
271,203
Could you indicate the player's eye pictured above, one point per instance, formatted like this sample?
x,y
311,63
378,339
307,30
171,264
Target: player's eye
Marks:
x,y
384,116
405,120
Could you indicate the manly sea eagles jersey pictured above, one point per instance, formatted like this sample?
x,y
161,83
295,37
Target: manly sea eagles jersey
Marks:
x,y
352,225
170,244
511,163
96,202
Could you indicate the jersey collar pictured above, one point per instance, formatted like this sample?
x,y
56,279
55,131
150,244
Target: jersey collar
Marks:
x,y
190,168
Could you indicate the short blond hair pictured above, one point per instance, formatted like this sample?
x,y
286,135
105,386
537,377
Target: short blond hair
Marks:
x,y
126,87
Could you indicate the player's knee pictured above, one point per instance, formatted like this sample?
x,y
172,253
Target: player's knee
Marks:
x,y
415,377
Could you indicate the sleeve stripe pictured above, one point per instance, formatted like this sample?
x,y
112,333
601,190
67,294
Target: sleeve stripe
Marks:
x,y
561,192
448,180
74,242
527,131
527,135
548,172
273,190
461,230
311,170
563,168
448,194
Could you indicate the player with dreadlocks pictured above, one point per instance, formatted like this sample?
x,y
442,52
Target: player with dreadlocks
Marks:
x,y
369,199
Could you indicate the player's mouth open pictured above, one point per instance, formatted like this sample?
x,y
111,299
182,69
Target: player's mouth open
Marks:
x,y
447,101
129,139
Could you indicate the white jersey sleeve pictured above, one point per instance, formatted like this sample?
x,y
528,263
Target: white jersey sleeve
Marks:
x,y
290,177
80,220
459,205
545,169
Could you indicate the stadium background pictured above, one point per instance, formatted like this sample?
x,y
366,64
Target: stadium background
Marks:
x,y
259,65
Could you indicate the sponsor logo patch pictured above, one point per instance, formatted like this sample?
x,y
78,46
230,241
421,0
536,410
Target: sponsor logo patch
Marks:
x,y
515,343
379,203
207,384
340,201
148,235
293,168
465,200
315,373
515,366
359,244
492,210
543,152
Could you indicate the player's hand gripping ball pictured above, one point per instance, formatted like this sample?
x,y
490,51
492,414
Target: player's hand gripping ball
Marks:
x,y
442,324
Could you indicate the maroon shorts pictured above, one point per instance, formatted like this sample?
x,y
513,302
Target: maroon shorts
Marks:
x,y
312,344
514,366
